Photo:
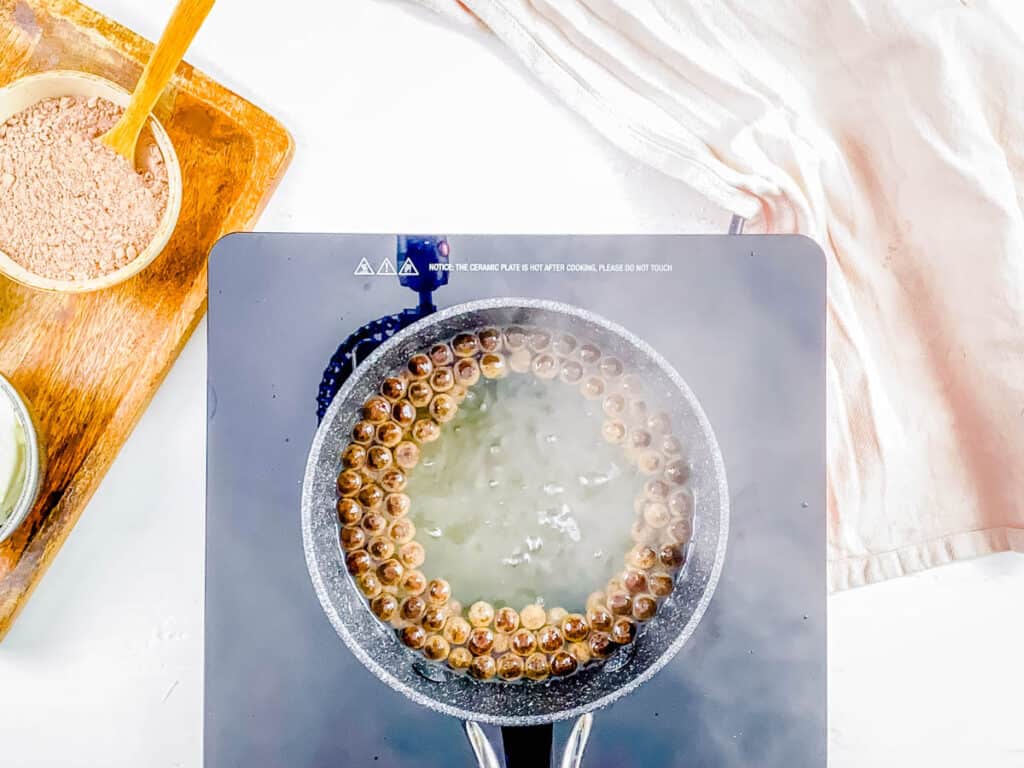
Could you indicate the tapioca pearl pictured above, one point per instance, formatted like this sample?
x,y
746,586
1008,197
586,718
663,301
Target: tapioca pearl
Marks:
x,y
420,394
571,372
426,431
489,339
539,340
656,514
393,388
537,667
380,547
563,664
442,379
644,607
510,667
481,613
564,344
545,366
466,345
389,434
481,641
623,631
483,667
384,607
353,457
413,608
412,554
358,562
588,354
407,454
592,388
370,496
403,413
378,457
436,648
349,511
523,642
363,432
376,410
420,366
390,572
413,636
493,365
441,355
515,337
677,472
352,537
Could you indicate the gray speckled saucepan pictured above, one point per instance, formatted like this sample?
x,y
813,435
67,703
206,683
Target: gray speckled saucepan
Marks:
x,y
520,707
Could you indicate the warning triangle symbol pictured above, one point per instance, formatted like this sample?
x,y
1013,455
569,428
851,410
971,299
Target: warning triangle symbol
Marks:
x,y
385,268
408,268
364,268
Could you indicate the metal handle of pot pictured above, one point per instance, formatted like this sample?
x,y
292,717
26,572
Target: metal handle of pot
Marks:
x,y
530,746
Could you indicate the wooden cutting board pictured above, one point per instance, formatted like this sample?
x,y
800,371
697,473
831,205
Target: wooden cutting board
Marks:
x,y
89,364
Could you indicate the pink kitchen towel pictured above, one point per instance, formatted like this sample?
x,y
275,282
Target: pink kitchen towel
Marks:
x,y
892,134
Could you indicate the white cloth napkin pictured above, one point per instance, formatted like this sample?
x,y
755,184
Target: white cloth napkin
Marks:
x,y
892,133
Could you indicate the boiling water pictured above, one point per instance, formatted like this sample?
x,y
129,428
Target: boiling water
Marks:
x,y
521,500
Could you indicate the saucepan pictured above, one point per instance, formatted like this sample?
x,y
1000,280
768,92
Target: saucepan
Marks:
x,y
525,711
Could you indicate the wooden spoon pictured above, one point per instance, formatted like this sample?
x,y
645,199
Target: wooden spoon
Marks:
x,y
185,21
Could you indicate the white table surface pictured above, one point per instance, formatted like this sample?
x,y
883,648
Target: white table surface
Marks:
x,y
404,123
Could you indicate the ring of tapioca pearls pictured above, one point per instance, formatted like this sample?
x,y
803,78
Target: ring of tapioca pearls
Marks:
x,y
379,539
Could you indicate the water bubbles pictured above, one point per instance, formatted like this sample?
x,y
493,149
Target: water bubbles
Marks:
x,y
435,532
553,489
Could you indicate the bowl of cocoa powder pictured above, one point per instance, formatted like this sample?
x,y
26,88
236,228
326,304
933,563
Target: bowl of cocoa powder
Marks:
x,y
74,215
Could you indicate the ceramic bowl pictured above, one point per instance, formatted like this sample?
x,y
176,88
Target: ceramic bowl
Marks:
x,y
34,461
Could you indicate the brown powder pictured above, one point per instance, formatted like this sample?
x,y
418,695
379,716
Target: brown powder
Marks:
x,y
70,207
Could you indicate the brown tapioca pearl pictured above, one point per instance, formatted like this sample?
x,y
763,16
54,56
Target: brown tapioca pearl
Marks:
x,y
456,630
510,667
443,407
588,354
370,496
581,652
556,614
384,607
501,644
575,627
600,619
493,365
610,367
515,337
441,354
680,503
592,388
358,562
397,504
363,432
407,454
481,640
380,548
434,618
533,617
378,457
420,366
426,430
538,340
442,379
660,584
656,514
643,533
537,666
614,406
519,360
549,639
571,372
349,511
483,668
467,372
639,439
677,472
376,410
465,345
656,489
389,434
436,648
644,607
404,413
459,659
680,531
393,481
349,482
481,614
642,557
624,631
413,636
369,584
353,457
649,462
413,608
420,393
620,604
439,592
352,537
544,366
523,642
671,445
562,664
390,572
564,345
613,431
412,554
659,422
672,555
393,388
490,339
635,582
414,582
600,645
506,620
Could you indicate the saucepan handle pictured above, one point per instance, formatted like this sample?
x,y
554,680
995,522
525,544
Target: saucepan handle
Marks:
x,y
530,746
